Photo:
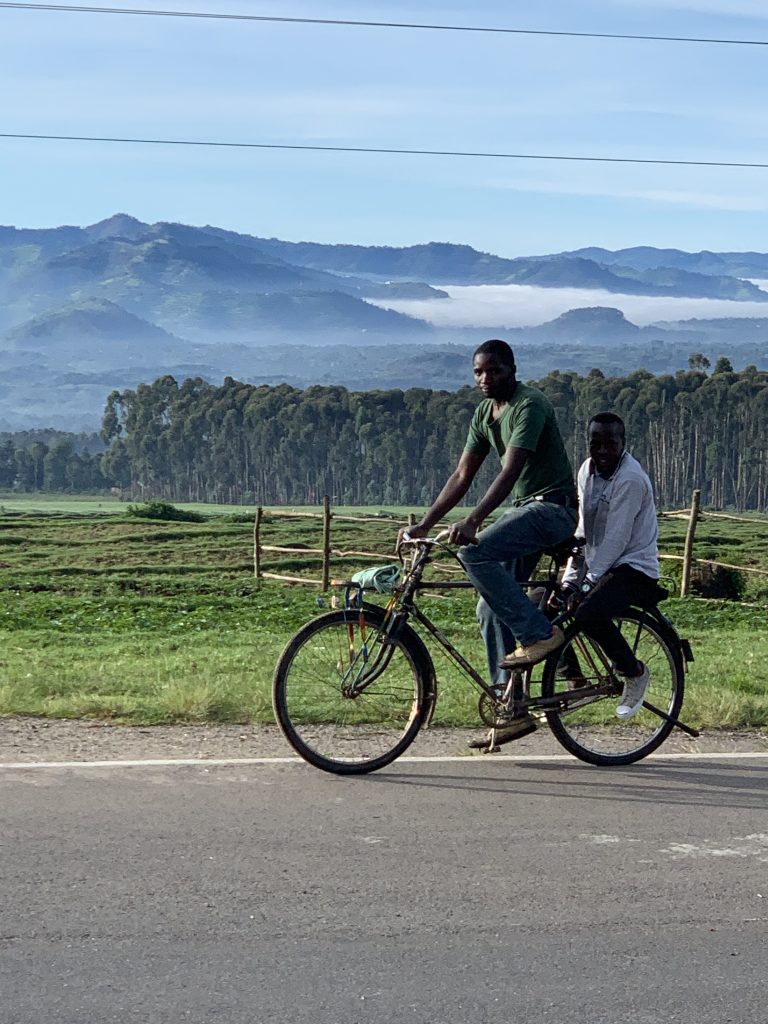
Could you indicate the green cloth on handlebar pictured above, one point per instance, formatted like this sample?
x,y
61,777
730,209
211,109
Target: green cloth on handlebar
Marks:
x,y
381,578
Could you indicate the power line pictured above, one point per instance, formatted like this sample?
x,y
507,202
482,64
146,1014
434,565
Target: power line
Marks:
x,y
385,24
391,150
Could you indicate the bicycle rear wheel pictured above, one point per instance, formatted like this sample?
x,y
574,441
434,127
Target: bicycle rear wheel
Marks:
x,y
347,700
589,728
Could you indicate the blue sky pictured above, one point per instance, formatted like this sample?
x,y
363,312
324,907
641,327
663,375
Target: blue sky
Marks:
x,y
90,74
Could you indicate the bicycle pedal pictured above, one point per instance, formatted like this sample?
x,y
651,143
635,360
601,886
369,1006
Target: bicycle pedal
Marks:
x,y
505,734
523,730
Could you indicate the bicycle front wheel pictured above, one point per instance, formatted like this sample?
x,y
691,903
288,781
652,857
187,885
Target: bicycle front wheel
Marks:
x,y
588,727
349,700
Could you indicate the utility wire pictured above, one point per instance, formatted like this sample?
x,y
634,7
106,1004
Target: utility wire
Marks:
x,y
384,24
388,150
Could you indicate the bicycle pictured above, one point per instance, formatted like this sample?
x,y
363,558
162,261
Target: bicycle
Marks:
x,y
353,687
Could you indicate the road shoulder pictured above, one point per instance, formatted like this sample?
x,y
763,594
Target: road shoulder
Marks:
x,y
38,739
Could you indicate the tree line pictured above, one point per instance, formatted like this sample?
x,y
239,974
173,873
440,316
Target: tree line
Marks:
x,y
51,460
242,443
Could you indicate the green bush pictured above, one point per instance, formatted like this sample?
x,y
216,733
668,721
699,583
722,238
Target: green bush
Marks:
x,y
717,581
165,511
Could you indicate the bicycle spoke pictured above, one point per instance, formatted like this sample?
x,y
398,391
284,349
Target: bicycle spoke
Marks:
x,y
339,704
590,729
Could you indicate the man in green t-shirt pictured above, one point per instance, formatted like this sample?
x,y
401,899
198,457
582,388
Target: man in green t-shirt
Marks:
x,y
518,423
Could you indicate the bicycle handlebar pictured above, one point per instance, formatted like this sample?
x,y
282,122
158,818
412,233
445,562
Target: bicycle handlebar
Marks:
x,y
426,541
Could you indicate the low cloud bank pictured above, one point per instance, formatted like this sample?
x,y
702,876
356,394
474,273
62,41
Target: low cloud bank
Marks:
x,y
515,305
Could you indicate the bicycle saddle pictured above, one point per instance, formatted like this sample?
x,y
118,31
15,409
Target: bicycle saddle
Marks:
x,y
657,595
560,553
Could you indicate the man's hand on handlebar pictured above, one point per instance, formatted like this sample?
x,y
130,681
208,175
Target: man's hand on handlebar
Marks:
x,y
409,533
463,532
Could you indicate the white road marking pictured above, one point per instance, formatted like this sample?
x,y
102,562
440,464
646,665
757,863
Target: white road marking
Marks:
x,y
210,762
754,845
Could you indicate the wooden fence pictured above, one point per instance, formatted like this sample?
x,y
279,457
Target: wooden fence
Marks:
x,y
326,550
693,515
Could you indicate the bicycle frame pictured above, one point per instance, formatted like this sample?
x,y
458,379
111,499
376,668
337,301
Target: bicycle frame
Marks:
x,y
402,606
372,651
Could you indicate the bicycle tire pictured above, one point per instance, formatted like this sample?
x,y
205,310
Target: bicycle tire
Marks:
x,y
344,735
591,731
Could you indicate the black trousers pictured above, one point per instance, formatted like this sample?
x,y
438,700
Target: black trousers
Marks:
x,y
613,593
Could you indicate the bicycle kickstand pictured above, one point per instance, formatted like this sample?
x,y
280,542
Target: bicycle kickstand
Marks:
x,y
670,718
493,747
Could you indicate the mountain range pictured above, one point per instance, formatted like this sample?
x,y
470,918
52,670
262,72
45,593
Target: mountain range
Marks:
x,y
84,310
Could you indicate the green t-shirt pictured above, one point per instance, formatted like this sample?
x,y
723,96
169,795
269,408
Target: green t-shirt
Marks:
x,y
528,421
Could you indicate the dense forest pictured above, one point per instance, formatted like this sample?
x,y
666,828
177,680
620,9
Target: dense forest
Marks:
x,y
240,443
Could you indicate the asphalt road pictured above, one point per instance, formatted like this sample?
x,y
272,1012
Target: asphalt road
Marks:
x,y
430,893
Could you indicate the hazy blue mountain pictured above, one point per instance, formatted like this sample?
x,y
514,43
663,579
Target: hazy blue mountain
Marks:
x,y
86,310
50,240
73,329
151,269
439,262
121,225
80,352
644,257
672,281
166,261
726,332
443,263
560,272
594,326
321,317
208,284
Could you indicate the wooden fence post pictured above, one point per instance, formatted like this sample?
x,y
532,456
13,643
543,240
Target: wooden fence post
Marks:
x,y
326,542
257,544
411,518
688,550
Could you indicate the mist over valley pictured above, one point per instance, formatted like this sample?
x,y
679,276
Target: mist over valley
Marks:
x,y
88,310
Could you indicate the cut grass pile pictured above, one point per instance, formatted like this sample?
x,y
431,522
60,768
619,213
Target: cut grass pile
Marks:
x,y
107,616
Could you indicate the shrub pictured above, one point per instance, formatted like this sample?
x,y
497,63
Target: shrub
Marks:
x,y
717,581
165,511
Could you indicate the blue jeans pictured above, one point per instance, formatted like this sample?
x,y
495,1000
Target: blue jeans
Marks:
x,y
505,552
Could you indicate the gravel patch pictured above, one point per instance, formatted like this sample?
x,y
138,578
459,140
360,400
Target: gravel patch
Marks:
x,y
24,740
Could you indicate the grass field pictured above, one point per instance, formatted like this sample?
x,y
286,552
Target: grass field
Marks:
x,y
105,615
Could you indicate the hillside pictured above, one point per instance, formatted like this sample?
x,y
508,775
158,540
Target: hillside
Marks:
x,y
92,322
81,352
84,310
646,257
442,263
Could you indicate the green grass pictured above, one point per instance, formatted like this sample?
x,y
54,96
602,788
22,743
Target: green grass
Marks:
x,y
107,616
86,504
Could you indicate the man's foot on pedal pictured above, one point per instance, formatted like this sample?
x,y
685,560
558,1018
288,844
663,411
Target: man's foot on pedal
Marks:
x,y
537,651
634,692
514,729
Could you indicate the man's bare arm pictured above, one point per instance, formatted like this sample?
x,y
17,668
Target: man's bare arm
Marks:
x,y
456,486
465,531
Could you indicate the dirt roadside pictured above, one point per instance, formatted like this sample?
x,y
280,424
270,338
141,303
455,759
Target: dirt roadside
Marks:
x,y
27,740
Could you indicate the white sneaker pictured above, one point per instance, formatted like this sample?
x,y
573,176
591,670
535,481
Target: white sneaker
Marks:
x,y
633,694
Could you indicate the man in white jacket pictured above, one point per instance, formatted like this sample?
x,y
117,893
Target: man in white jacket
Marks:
x,y
620,562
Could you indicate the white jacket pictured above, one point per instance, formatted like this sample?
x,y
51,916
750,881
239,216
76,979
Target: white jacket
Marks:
x,y
617,518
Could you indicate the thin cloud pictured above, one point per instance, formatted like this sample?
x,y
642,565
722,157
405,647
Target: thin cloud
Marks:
x,y
677,197
728,8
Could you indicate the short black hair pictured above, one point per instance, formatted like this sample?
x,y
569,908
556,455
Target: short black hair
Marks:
x,y
606,418
498,348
